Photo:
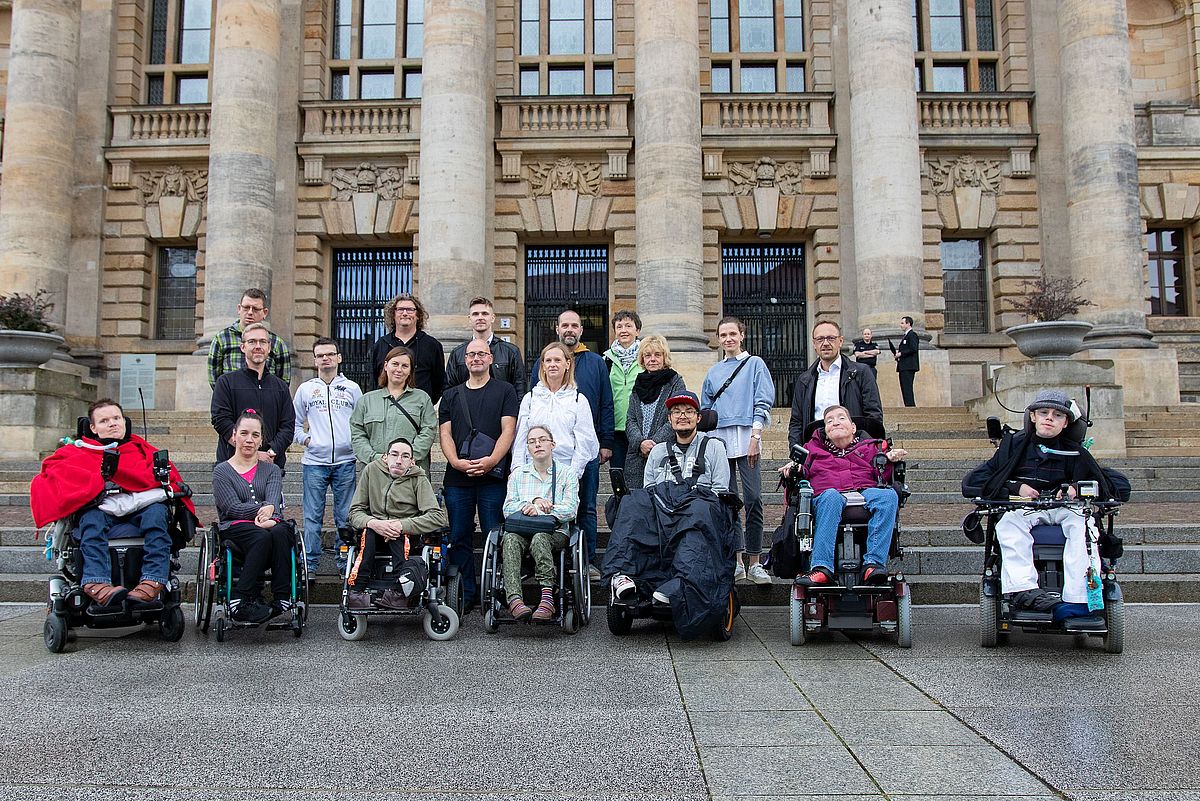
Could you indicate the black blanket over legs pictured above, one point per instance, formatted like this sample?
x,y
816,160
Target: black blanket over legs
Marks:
x,y
680,541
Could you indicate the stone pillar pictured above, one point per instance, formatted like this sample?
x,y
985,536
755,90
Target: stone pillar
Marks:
x,y
1103,211
456,140
669,227
39,136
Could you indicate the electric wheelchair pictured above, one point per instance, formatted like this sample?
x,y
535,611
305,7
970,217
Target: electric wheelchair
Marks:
x,y
574,590
847,603
439,603
217,571
69,608
997,618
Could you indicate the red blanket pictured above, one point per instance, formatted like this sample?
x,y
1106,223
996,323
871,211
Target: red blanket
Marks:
x,y
70,478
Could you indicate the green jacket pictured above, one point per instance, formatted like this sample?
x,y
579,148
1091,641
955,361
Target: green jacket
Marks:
x,y
376,421
622,387
409,499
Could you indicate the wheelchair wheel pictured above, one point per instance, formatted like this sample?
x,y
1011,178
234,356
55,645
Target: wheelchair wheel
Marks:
x,y
798,631
204,581
724,629
171,625
487,578
904,621
989,618
351,627
220,629
454,594
620,620
490,624
301,574
570,621
443,629
54,632
583,584
1114,640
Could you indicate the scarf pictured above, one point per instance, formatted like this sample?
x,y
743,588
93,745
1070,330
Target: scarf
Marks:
x,y
834,449
648,385
626,356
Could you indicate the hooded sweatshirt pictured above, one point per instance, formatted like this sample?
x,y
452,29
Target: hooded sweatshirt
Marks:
x,y
408,498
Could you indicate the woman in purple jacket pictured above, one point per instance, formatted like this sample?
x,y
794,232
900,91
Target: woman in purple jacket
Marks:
x,y
840,460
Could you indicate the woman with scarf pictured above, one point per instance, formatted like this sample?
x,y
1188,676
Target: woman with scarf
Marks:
x,y
647,423
623,368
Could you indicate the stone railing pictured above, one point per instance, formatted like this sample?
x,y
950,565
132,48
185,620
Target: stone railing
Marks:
x,y
1164,123
329,120
1006,112
741,114
575,115
159,125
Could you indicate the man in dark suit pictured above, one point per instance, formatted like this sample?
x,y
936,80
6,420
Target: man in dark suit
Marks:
x,y
832,380
908,359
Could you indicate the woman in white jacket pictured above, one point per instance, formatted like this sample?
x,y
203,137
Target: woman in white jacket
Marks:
x,y
559,405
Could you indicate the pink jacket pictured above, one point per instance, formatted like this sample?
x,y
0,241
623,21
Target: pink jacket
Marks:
x,y
854,471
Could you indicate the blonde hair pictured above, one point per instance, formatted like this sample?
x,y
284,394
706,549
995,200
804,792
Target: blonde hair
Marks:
x,y
568,374
654,342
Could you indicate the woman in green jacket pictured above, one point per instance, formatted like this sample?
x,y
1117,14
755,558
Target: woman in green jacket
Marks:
x,y
622,357
397,410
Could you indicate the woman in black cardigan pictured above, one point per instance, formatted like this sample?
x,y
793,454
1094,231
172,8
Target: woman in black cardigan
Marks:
x,y
647,422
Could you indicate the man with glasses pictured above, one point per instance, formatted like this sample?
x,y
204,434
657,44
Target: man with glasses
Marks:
x,y
477,421
253,387
323,406
832,380
404,317
225,354
508,364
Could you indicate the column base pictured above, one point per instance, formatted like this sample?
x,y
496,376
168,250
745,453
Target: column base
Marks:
x,y
39,406
1149,377
932,384
192,392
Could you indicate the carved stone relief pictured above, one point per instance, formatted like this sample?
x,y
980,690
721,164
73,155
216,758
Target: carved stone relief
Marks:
x,y
766,172
966,189
366,178
950,174
173,201
174,181
564,173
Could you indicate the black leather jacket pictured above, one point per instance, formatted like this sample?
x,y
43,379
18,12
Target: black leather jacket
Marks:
x,y
507,365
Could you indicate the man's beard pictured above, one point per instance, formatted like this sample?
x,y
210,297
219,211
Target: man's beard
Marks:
x,y
570,340
685,432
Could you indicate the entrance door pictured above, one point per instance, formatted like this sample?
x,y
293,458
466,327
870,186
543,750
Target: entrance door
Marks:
x,y
364,280
763,286
557,278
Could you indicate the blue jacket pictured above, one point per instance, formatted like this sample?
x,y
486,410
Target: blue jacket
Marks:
x,y
591,376
748,399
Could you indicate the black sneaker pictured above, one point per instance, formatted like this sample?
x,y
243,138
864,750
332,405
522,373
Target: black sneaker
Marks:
x,y
254,612
281,607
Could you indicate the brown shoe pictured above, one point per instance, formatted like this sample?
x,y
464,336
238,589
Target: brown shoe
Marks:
x,y
105,596
356,599
391,599
146,593
545,610
518,609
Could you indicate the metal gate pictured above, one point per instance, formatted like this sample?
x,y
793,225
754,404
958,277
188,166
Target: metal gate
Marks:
x,y
363,282
559,278
763,285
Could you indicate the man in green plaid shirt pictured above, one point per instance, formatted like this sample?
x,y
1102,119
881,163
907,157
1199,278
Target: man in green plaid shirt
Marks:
x,y
225,353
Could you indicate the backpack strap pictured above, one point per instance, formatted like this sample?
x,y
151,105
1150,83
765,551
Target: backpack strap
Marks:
x,y
698,465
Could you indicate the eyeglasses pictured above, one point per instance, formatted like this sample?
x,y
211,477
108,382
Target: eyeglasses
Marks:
x,y
822,340
683,411
539,440
476,356
255,342
406,309
251,308
325,355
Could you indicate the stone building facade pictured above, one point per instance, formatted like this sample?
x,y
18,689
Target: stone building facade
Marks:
x,y
785,159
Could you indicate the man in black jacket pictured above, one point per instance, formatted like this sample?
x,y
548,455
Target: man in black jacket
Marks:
x,y
507,363
1036,463
908,359
833,380
252,387
405,318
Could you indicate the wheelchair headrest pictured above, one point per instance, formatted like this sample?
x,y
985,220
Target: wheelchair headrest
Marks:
x,y
868,425
83,428
1076,431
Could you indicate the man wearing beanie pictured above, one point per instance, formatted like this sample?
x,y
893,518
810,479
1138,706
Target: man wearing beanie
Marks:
x,y
1036,463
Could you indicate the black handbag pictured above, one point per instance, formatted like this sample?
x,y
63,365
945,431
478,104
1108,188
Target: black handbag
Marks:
x,y
478,445
708,417
521,523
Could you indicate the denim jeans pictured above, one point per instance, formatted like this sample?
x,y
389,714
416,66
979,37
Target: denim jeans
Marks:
x,y
461,505
882,503
589,485
750,480
156,553
318,478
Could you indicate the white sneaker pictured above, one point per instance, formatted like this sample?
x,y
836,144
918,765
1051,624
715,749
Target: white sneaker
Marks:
x,y
659,598
739,573
758,574
623,587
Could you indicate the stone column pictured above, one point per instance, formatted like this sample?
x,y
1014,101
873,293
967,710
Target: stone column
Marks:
x,y
1103,212
669,226
456,138
39,136
240,244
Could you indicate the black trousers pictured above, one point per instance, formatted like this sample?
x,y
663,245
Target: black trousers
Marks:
x,y
260,547
370,543
906,386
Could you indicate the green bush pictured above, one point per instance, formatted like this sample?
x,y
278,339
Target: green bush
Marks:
x,y
20,312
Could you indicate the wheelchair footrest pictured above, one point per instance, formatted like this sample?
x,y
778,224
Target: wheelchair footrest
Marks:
x,y
850,621
1087,624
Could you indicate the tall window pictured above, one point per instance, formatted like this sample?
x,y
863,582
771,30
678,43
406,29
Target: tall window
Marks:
x,y
376,49
364,280
1165,249
566,47
175,312
180,52
956,45
964,277
757,45
565,277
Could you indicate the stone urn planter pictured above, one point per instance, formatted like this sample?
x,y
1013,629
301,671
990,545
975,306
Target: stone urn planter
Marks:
x,y
27,348
1050,339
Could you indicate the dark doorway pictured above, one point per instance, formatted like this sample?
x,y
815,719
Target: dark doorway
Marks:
x,y
557,278
363,282
763,285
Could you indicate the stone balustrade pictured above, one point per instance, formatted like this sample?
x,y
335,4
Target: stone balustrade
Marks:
x,y
1006,112
329,120
157,125
770,114
606,116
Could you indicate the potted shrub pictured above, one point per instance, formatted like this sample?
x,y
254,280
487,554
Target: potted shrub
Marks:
x,y
27,336
1047,302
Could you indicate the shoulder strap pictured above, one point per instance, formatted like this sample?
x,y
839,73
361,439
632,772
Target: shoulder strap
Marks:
x,y
461,395
676,470
729,380
698,465
553,480
404,412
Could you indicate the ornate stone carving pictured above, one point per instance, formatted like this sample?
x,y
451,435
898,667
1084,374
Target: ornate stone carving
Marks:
x,y
766,172
174,181
367,178
951,174
565,173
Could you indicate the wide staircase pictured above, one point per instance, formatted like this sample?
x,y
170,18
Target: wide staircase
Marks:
x,y
1159,526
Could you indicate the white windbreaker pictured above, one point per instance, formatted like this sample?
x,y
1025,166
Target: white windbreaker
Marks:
x,y
326,408
568,415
